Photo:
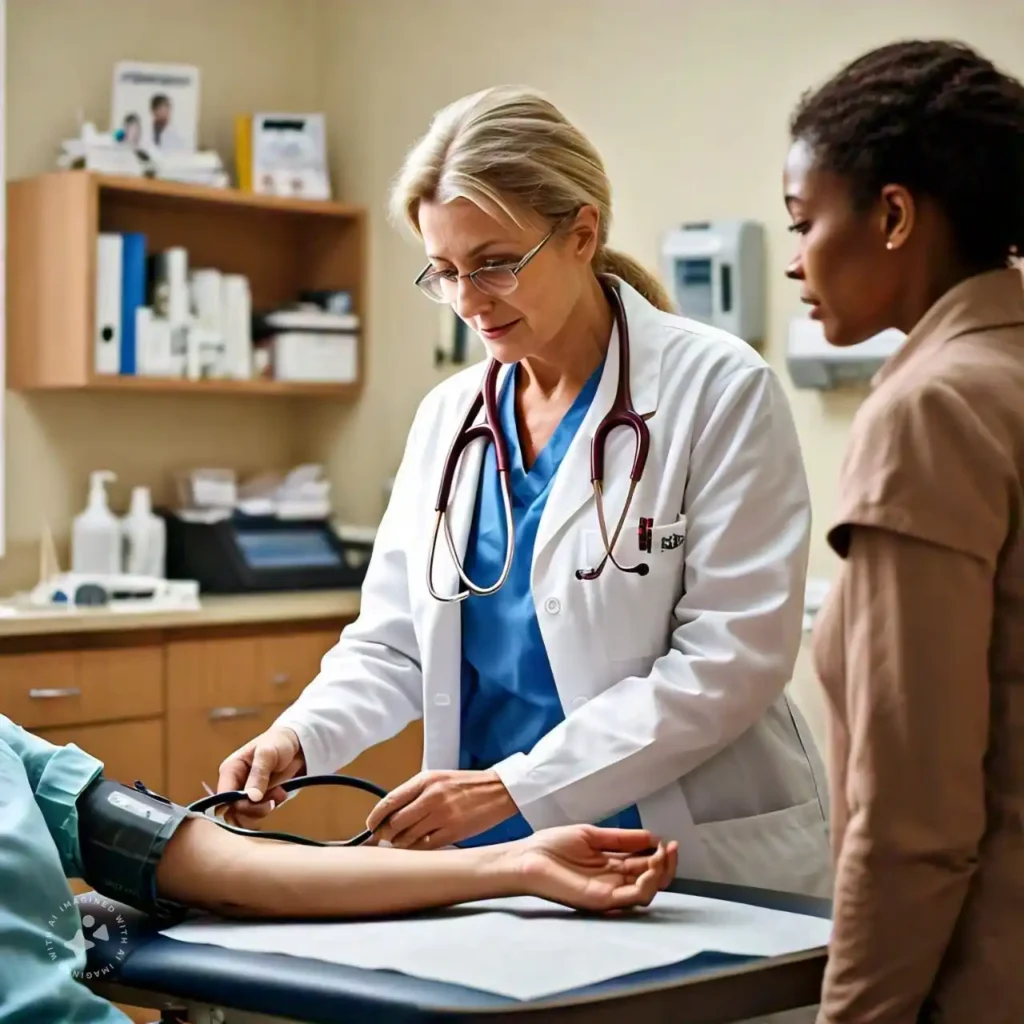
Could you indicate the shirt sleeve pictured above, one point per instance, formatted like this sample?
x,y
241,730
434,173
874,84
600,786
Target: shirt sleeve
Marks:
x,y
918,624
57,777
923,514
39,924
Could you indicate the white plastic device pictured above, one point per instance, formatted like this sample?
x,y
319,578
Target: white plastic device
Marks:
x,y
814,363
716,273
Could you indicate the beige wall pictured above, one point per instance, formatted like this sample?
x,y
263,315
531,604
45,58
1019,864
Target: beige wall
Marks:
x,y
60,59
687,100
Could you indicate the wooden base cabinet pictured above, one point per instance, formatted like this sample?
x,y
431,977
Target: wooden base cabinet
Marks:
x,y
168,707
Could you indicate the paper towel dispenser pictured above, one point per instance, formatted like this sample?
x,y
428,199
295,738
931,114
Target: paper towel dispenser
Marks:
x,y
814,363
716,274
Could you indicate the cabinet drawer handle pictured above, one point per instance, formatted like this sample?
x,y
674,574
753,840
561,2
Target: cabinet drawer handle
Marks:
x,y
281,679
217,714
54,694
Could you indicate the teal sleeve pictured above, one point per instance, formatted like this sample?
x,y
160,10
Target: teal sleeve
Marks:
x,y
57,776
40,928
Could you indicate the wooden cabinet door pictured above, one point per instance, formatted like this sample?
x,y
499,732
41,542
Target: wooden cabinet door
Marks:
x,y
213,708
337,812
128,750
73,687
199,739
288,662
208,674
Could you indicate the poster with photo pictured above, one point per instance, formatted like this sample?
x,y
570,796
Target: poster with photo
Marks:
x,y
155,107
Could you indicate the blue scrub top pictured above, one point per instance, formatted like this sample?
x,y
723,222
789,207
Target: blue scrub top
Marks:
x,y
509,699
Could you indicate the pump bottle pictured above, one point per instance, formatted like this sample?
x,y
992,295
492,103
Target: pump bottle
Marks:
x,y
96,533
145,537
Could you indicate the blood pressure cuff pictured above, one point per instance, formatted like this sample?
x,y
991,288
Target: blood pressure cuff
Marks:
x,y
122,834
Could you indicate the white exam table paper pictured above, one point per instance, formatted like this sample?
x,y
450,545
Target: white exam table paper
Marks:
x,y
525,948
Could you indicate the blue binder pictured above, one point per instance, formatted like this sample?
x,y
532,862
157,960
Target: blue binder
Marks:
x,y
133,295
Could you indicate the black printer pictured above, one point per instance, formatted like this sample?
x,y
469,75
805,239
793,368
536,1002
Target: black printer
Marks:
x,y
244,554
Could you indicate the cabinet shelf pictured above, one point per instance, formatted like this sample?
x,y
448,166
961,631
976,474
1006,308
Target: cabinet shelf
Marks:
x,y
282,245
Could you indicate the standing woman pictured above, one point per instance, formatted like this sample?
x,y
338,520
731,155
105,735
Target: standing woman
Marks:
x,y
905,183
645,687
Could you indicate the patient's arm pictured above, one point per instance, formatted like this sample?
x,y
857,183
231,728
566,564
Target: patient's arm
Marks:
x,y
582,866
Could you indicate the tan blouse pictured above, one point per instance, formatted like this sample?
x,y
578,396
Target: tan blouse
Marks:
x,y
921,652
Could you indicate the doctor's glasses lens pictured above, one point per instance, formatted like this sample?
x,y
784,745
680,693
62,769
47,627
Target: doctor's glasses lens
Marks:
x,y
444,287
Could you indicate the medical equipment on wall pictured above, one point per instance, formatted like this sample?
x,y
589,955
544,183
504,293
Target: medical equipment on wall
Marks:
x,y
621,414
716,274
814,363
232,553
208,804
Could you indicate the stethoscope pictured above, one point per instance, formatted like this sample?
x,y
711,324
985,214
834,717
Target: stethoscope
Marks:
x,y
208,804
621,414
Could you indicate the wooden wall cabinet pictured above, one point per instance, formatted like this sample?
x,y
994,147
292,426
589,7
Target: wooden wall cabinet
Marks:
x,y
282,245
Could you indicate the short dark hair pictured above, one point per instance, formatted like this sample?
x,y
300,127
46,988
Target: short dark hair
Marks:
x,y
159,100
937,118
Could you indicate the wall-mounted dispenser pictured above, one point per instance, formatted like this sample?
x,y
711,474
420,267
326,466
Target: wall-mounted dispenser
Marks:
x,y
715,271
814,363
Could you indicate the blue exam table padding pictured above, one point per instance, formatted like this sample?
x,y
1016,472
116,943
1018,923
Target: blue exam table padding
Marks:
x,y
316,992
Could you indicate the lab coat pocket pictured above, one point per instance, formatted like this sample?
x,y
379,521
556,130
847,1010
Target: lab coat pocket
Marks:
x,y
786,850
667,546
632,612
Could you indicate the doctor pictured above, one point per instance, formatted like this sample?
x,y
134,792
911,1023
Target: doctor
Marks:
x,y
632,697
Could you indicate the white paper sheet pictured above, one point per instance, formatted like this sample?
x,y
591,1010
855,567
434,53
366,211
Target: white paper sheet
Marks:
x,y
526,948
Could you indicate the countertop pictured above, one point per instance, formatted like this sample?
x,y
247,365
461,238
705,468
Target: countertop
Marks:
x,y
289,606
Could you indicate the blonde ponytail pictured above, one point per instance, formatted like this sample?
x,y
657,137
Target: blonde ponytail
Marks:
x,y
510,149
611,261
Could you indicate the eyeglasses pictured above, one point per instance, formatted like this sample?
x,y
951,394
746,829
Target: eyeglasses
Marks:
x,y
443,285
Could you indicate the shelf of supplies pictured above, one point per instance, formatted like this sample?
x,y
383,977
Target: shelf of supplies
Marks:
x,y
257,386
282,245
176,191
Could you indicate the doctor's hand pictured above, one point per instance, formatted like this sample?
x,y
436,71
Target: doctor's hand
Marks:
x,y
259,767
439,808
596,869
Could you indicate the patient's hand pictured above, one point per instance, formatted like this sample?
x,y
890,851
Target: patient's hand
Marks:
x,y
595,869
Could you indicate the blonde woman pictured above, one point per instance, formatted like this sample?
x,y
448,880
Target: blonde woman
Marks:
x,y
644,687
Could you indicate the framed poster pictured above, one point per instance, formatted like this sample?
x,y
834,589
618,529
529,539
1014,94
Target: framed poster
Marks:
x,y
156,106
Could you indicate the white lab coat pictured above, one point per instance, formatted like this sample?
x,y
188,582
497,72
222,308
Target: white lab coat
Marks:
x,y
672,683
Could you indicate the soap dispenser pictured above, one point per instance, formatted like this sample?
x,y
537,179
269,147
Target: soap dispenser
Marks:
x,y
96,534
145,537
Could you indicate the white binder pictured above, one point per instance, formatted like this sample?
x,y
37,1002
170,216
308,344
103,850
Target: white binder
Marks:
x,y
107,348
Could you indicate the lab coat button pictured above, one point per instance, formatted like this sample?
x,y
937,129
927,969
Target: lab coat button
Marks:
x,y
552,606
442,700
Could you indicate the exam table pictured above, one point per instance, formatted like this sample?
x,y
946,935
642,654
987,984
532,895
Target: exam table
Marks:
x,y
212,985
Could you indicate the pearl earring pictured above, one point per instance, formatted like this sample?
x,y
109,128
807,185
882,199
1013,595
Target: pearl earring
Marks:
x,y
888,246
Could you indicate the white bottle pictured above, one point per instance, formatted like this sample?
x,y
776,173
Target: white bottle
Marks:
x,y
96,534
145,537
